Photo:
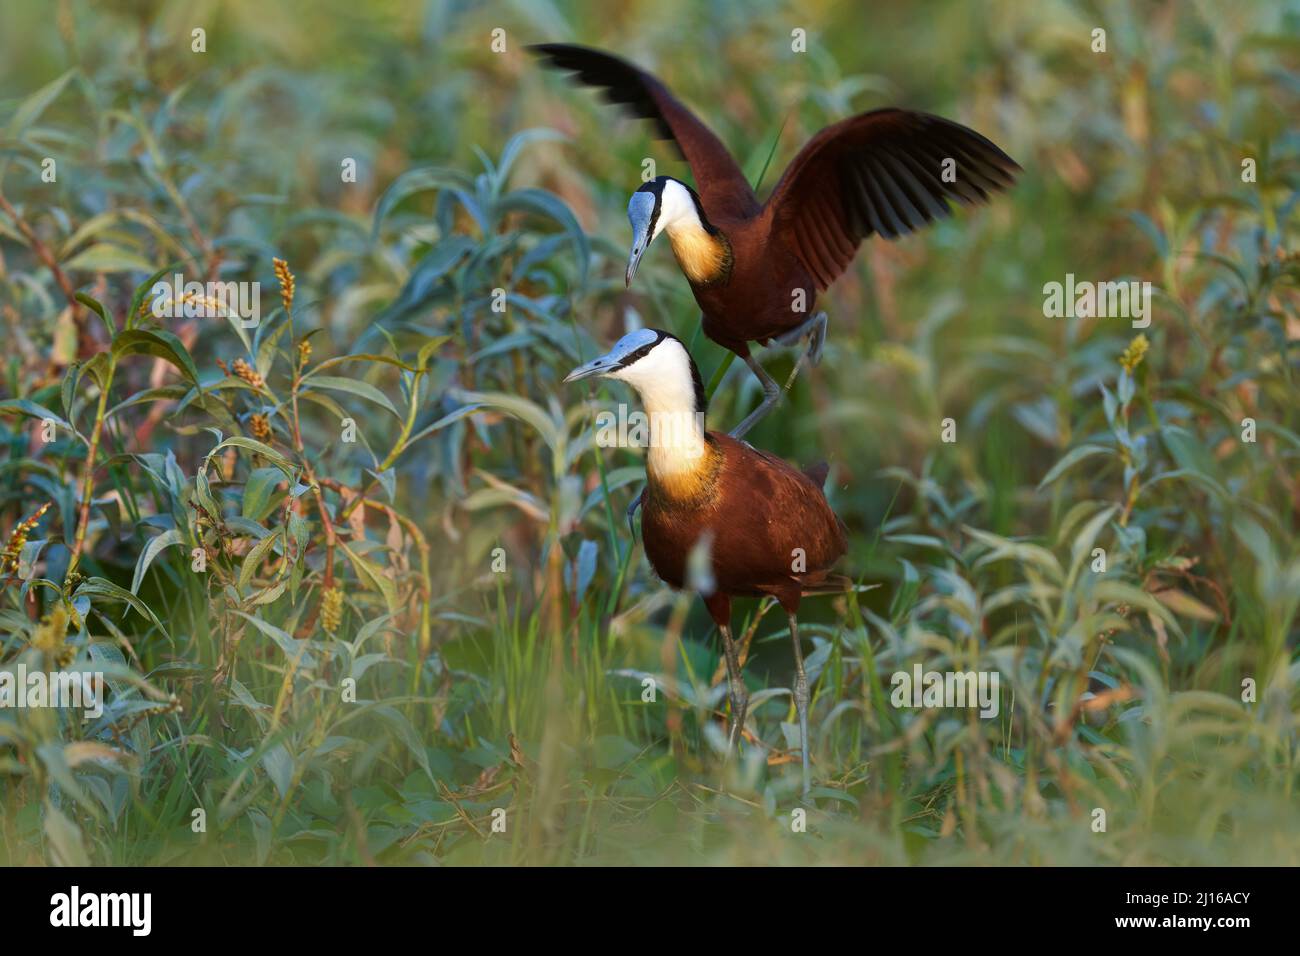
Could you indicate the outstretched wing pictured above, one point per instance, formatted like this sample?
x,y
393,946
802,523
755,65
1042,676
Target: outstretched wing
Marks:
x,y
719,181
881,172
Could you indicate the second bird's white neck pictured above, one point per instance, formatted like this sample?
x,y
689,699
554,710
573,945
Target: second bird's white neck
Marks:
x,y
676,430
667,389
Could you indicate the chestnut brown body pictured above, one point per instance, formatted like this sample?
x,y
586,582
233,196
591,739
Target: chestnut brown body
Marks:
x,y
769,529
765,525
887,172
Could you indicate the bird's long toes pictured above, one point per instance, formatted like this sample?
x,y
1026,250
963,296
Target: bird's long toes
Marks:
x,y
792,337
817,340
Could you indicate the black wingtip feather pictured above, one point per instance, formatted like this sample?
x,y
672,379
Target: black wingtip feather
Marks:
x,y
619,82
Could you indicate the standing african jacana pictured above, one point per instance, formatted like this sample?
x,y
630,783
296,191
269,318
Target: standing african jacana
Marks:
x,y
761,518
756,268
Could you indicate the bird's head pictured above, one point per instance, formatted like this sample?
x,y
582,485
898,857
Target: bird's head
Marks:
x,y
657,365
659,204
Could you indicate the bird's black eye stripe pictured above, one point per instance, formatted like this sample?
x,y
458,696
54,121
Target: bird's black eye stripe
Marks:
x,y
639,354
654,187
701,398
644,350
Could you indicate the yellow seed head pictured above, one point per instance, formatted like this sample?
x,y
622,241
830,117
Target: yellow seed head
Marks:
x,y
1133,355
18,540
285,278
331,609
261,427
304,352
249,374
52,632
213,305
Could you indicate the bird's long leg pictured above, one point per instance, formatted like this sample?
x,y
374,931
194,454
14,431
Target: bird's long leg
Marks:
x,y
738,695
771,395
815,329
801,702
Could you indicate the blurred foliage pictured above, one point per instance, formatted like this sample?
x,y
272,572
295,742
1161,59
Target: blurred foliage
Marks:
x,y
396,636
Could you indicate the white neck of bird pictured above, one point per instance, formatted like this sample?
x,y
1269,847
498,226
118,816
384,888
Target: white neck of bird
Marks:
x,y
676,429
666,385
701,255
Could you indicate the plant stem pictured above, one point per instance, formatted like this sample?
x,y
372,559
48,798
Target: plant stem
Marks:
x,y
88,482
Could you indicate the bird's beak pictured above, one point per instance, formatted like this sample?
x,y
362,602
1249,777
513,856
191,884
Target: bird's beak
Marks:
x,y
639,243
601,366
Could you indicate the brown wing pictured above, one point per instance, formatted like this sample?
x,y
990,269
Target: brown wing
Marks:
x,y
879,172
719,181
777,508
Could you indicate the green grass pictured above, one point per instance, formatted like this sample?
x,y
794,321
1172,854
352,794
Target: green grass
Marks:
x,y
497,624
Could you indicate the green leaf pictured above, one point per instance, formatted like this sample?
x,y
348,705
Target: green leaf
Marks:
x,y
99,368
203,495
370,572
30,109
413,181
174,391
151,550
102,587
540,202
406,732
356,387
1192,456
440,260
143,289
270,594
449,419
278,764
776,140
428,348
254,558
30,408
63,838
54,757
1083,542
716,380
98,308
359,357
537,134
291,646
258,491
252,444
159,344
107,257
1070,459
521,408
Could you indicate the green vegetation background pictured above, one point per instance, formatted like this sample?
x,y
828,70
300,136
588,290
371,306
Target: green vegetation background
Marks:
x,y
359,674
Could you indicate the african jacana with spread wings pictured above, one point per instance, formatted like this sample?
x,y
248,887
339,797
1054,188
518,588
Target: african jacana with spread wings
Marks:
x,y
767,526
756,268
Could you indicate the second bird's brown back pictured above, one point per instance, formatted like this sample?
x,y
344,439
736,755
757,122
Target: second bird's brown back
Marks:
x,y
770,525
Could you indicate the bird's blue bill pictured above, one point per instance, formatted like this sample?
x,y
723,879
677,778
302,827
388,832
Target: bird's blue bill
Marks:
x,y
616,357
600,366
638,250
640,212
